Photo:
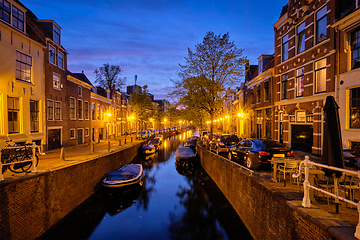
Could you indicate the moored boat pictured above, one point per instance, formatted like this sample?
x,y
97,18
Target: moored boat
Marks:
x,y
148,149
125,176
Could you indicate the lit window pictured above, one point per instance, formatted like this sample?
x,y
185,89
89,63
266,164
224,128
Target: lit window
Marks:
x,y
57,110
80,109
60,60
300,82
56,81
51,54
320,76
86,110
13,115
301,38
285,47
5,10
72,133
17,18
34,116
98,112
93,112
355,49
50,110
355,108
23,67
284,80
72,108
321,22
56,35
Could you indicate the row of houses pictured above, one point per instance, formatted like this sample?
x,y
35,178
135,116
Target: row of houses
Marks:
x,y
41,100
317,53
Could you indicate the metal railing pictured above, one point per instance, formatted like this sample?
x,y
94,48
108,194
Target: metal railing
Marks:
x,y
306,199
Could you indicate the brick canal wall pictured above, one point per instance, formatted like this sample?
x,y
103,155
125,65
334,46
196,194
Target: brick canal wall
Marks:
x,y
265,213
32,205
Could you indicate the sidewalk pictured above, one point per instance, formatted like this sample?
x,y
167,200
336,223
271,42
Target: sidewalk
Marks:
x,y
76,154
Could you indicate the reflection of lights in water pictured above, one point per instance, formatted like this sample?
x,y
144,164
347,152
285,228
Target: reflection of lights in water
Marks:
x,y
165,143
180,137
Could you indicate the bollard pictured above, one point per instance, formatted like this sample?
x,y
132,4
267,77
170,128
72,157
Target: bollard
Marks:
x,y
119,142
92,145
108,146
131,139
306,200
33,169
62,154
1,168
125,140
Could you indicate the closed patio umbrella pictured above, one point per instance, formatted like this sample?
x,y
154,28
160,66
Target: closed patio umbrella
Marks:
x,y
332,142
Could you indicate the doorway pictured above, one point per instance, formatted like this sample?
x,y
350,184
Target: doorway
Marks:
x,y
54,139
302,138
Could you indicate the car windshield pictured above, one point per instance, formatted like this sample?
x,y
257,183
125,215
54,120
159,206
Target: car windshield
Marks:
x,y
267,144
229,138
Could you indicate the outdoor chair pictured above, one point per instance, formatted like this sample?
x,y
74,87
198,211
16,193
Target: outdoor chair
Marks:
x,y
350,183
327,184
289,168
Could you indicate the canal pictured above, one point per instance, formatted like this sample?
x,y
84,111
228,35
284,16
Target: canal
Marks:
x,y
171,204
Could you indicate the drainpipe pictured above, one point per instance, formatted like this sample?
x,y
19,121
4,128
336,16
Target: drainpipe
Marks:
x,y
338,65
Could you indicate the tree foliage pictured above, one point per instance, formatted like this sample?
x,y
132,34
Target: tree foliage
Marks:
x,y
108,75
141,104
215,66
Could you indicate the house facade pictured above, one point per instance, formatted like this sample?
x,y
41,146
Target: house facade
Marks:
x,y
21,75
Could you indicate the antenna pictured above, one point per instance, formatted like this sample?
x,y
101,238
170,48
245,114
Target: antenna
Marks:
x,y
135,79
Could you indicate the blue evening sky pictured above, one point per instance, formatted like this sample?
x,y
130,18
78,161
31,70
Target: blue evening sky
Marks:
x,y
149,38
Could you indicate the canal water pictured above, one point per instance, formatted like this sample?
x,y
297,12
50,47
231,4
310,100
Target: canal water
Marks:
x,y
171,204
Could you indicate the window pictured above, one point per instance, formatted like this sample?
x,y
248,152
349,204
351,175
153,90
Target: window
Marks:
x,y
72,133
300,82
93,111
260,66
56,35
355,49
80,91
72,108
285,47
252,97
34,116
23,67
86,109
355,108
57,110
266,91
320,76
258,93
98,112
87,132
13,115
301,38
51,54
80,109
60,60
56,81
284,80
5,10
17,18
321,22
50,110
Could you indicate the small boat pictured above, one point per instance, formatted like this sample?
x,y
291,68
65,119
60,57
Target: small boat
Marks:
x,y
185,153
156,142
125,176
148,149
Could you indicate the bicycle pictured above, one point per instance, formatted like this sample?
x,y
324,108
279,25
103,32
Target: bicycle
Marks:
x,y
18,153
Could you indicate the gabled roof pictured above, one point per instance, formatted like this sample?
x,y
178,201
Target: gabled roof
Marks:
x,y
81,76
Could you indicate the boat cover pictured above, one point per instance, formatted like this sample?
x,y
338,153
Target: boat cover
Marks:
x,y
124,173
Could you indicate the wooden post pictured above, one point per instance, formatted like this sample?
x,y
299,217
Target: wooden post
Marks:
x,y
125,140
108,146
119,142
131,139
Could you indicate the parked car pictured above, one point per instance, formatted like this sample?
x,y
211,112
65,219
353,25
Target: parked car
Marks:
x,y
254,153
222,143
142,134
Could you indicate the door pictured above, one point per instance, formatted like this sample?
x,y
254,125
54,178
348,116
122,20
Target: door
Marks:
x,y
302,138
54,136
101,133
80,134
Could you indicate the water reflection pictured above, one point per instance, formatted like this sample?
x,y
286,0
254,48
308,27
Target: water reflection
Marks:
x,y
173,203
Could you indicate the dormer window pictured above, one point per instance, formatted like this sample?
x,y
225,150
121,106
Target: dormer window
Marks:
x,y
56,35
260,66
18,18
5,11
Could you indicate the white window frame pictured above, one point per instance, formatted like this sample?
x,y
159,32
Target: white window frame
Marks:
x,y
80,116
56,84
74,115
316,70
87,132
55,111
86,114
50,46
47,110
72,137
302,33
62,60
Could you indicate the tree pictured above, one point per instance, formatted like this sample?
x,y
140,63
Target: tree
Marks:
x,y
141,104
109,75
215,66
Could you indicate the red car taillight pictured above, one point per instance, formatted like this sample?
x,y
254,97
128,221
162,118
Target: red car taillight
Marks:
x,y
221,144
263,153
290,154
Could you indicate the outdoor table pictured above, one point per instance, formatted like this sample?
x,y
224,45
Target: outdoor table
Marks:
x,y
276,161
